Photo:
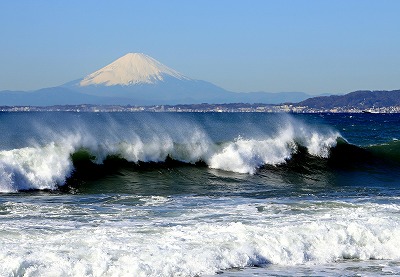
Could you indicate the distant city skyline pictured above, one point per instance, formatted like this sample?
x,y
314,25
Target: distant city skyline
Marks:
x,y
273,46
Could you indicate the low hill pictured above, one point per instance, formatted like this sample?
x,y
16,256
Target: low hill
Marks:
x,y
357,99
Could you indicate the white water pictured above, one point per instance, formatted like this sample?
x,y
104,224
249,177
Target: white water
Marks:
x,y
189,236
247,155
189,221
47,166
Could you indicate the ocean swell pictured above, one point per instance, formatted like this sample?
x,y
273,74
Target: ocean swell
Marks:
x,y
49,165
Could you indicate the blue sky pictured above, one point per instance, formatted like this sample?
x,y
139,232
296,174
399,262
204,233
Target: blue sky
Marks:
x,y
315,46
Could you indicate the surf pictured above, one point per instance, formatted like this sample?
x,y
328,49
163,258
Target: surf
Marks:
x,y
197,194
53,164
92,146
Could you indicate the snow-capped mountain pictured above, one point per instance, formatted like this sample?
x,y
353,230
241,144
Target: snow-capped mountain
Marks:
x,y
138,79
131,69
142,80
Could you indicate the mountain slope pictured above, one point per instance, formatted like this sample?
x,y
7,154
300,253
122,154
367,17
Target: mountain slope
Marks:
x,y
142,80
47,97
138,79
131,69
145,81
356,99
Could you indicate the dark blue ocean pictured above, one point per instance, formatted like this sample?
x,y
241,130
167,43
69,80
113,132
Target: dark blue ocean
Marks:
x,y
199,194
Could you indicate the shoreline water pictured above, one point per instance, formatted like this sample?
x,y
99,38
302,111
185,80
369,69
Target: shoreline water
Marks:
x,y
313,206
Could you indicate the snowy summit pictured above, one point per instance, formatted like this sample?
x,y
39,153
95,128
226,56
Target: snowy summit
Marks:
x,y
131,69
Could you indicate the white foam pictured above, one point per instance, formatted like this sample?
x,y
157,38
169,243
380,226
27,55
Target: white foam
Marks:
x,y
197,240
46,166
317,142
35,167
247,155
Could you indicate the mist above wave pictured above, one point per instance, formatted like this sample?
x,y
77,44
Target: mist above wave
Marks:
x,y
242,146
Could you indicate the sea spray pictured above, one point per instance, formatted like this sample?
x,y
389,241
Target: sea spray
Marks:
x,y
35,167
309,215
46,166
247,155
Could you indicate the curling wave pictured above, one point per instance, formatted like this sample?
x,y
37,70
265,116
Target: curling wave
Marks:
x,y
66,153
50,165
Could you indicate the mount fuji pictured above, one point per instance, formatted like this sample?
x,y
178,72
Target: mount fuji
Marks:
x,y
138,79
131,69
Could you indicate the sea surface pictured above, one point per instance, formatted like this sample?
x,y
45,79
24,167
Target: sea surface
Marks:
x,y
199,194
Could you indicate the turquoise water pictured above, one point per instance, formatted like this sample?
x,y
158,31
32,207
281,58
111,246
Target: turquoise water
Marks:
x,y
137,194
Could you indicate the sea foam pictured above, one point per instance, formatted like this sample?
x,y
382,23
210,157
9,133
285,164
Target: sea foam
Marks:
x,y
48,164
193,243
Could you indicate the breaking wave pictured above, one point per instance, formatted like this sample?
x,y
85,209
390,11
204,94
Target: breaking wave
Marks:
x,y
87,147
50,164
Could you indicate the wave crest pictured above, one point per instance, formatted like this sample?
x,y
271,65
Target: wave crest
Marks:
x,y
49,165
247,155
35,167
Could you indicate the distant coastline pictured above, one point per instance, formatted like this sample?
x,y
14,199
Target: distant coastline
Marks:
x,y
202,108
